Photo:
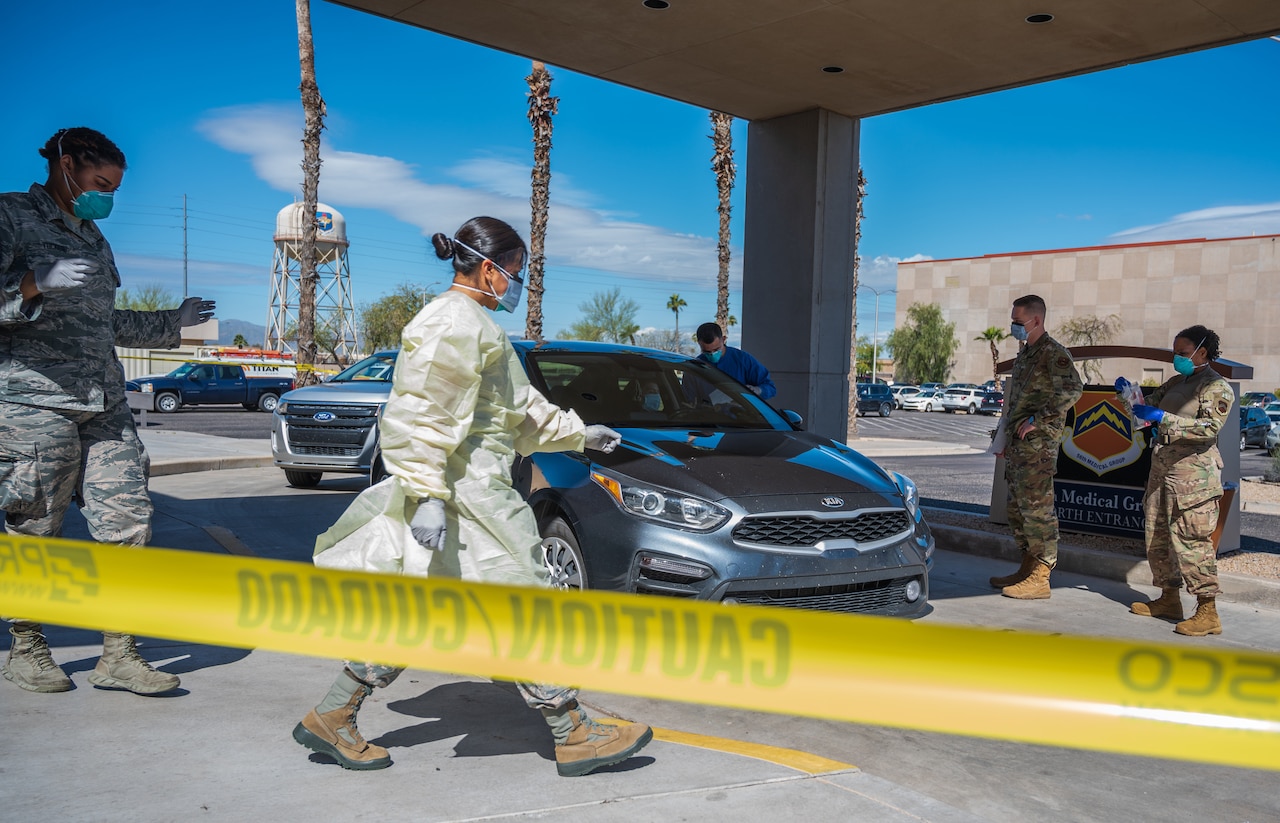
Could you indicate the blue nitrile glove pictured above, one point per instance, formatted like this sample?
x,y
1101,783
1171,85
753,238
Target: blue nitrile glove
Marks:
x,y
1121,385
1148,413
427,524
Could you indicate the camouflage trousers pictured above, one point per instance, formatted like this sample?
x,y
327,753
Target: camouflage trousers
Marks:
x,y
1180,541
1028,470
47,456
537,695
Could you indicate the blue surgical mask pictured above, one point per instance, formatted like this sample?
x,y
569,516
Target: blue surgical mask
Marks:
x,y
1019,332
1184,365
509,300
653,402
714,356
89,205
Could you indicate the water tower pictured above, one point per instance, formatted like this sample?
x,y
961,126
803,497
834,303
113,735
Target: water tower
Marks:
x,y
335,310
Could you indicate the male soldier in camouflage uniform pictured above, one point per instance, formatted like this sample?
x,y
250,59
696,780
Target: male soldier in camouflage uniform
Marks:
x,y
1181,503
65,426
1044,385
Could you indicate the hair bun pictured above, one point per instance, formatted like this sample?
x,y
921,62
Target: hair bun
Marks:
x,y
444,246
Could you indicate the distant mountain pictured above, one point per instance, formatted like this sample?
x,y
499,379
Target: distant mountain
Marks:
x,y
254,334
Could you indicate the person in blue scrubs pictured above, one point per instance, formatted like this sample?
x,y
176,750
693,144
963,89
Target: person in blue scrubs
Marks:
x,y
734,362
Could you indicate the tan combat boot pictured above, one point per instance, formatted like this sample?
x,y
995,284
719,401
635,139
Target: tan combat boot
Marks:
x,y
583,745
1024,569
121,667
30,665
335,732
1035,586
1204,621
1167,606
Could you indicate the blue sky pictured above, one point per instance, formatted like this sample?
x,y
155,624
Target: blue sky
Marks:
x,y
424,132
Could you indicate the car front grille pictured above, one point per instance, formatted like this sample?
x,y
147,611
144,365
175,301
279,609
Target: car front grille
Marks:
x,y
873,596
342,436
803,530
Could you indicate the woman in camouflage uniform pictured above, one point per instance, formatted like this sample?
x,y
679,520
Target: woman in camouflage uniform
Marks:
x,y
65,426
1181,503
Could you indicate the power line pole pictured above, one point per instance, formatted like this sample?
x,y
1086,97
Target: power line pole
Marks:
x,y
184,247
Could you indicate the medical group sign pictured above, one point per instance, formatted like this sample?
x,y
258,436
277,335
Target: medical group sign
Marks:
x,y
1102,468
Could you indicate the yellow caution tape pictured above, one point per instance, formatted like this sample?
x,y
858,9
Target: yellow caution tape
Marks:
x,y
1188,702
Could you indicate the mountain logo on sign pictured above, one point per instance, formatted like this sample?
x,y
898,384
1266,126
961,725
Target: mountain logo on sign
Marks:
x,y
1102,437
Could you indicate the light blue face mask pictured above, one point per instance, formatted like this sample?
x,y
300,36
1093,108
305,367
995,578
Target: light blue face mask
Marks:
x,y
509,300
89,205
1185,366
1018,331
713,357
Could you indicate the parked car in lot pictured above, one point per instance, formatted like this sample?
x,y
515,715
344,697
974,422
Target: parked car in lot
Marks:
x,y
875,397
901,391
203,384
1254,427
992,403
719,498
927,386
1257,398
927,400
962,399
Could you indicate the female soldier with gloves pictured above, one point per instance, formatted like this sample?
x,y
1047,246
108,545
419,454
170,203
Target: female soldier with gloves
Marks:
x,y
460,409
64,421
1181,502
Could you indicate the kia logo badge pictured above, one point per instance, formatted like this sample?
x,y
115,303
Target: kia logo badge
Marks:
x,y
833,502
322,417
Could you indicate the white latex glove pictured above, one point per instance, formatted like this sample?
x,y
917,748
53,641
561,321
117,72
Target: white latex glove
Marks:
x,y
63,275
427,524
194,311
756,389
602,438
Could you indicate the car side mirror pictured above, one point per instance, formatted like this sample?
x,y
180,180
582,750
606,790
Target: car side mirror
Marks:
x,y
794,418
193,377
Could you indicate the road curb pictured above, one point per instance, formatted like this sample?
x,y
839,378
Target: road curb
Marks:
x,y
163,468
1078,560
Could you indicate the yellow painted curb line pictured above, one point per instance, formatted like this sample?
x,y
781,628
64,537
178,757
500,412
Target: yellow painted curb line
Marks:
x,y
790,758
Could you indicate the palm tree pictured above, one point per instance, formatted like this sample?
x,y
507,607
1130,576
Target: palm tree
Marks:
x,y
993,336
541,106
853,330
675,304
240,342
313,111
722,165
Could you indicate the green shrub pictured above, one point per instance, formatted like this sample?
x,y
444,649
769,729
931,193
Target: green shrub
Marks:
x,y
1272,473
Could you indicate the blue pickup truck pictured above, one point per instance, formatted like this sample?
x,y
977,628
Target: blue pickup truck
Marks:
x,y
198,384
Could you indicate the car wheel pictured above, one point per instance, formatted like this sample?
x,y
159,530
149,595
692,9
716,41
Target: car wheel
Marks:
x,y
562,556
1243,444
885,409
302,480
972,408
377,471
268,402
167,402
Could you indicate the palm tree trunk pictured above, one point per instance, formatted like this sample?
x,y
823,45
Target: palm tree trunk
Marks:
x,y
995,361
853,333
722,165
314,111
541,107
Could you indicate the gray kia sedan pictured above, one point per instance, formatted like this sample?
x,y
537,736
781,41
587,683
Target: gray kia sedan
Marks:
x,y
714,494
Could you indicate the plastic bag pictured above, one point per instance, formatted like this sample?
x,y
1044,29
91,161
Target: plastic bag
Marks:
x,y
1132,396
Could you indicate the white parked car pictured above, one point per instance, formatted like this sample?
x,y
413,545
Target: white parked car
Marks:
x,y
967,400
927,400
902,392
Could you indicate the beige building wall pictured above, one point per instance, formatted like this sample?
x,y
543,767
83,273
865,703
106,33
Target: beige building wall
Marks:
x,y
1232,286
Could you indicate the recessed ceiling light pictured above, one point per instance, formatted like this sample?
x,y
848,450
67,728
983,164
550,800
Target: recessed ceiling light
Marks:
x,y
656,4
833,69
1040,18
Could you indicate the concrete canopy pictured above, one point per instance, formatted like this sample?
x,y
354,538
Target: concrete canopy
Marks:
x,y
761,59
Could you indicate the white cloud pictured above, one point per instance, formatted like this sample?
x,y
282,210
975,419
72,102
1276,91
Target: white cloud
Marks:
x,y
881,271
1221,221
577,236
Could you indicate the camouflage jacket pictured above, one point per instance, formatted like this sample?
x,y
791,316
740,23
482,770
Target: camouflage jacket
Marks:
x,y
1186,459
1044,385
58,351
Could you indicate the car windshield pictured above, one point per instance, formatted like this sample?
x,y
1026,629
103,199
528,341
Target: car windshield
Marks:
x,y
629,389
182,370
375,367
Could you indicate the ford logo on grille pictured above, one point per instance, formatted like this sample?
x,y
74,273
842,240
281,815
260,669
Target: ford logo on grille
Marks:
x,y
323,417
833,502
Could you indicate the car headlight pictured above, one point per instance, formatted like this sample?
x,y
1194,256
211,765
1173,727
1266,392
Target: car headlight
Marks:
x,y
663,505
144,387
909,493
282,407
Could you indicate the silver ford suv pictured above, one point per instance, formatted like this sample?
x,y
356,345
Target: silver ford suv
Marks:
x,y
333,426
